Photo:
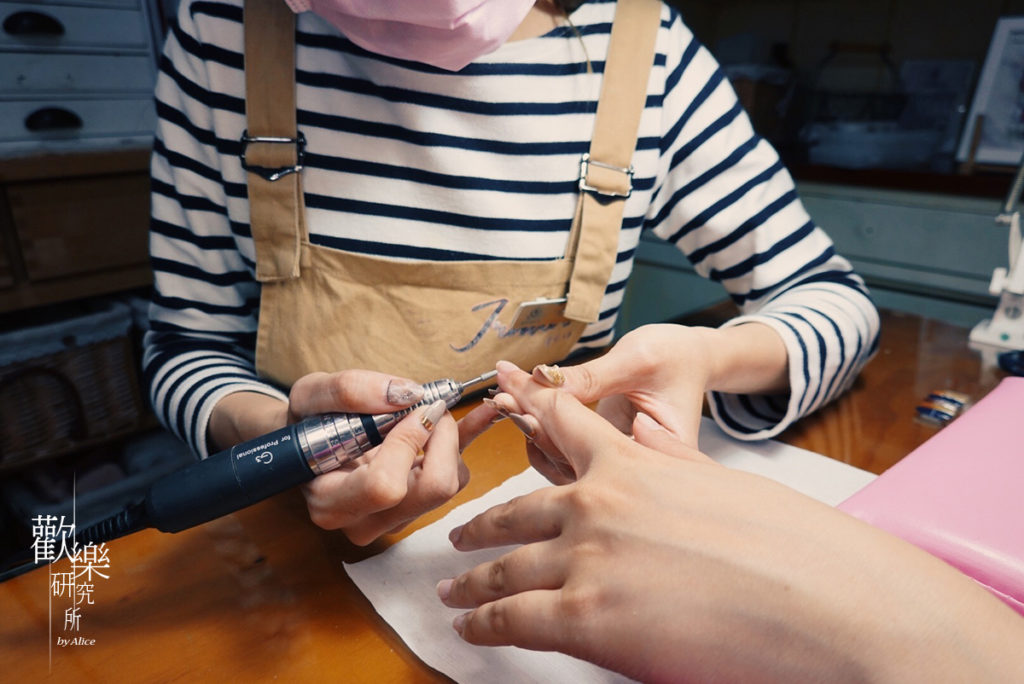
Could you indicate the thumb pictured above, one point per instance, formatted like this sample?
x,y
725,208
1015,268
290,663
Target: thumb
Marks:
x,y
590,381
576,431
352,391
651,434
412,432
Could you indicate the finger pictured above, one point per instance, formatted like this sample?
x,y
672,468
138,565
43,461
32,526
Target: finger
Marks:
x,y
475,423
532,620
505,403
439,477
340,497
571,428
617,410
589,381
412,433
527,568
649,433
538,446
681,417
525,519
539,450
352,390
556,470
367,530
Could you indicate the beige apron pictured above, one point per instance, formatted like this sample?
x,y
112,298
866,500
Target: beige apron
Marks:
x,y
327,309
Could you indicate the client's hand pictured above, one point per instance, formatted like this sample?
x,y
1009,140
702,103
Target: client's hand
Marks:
x,y
417,468
665,566
663,370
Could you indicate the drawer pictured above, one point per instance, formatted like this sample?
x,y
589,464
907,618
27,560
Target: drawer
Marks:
x,y
917,241
80,225
31,73
93,3
54,27
60,119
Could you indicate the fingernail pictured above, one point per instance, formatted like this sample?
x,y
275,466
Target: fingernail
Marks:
x,y
444,589
648,421
455,535
502,411
526,424
550,375
497,419
493,391
505,366
432,414
404,392
459,623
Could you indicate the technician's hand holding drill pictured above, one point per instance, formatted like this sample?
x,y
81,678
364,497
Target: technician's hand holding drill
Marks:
x,y
660,370
385,488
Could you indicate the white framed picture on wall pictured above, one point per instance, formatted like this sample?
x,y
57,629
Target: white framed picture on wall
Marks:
x,y
994,129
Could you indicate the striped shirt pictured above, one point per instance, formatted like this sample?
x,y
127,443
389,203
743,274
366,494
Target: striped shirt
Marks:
x,y
412,162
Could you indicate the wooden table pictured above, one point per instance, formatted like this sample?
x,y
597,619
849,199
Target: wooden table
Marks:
x,y
261,594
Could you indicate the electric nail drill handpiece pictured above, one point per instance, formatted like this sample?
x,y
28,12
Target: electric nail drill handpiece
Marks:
x,y
259,468
254,470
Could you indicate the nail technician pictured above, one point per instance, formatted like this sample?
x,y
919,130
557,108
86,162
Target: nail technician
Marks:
x,y
411,190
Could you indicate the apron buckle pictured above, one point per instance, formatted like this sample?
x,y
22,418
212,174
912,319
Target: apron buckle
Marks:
x,y
585,183
538,313
271,173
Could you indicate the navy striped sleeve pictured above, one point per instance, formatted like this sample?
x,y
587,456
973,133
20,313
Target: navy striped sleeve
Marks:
x,y
728,203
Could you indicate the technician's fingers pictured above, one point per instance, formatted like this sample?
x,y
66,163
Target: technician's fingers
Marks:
x,y
442,474
539,450
439,476
474,424
569,427
504,403
651,434
554,467
340,497
352,390
532,620
525,519
526,569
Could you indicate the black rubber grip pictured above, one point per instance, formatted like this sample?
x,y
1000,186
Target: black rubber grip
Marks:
x,y
372,433
227,481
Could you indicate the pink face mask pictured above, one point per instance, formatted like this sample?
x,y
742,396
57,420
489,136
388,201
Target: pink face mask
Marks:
x,y
444,33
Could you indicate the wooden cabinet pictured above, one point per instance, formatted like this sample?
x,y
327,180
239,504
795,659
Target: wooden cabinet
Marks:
x,y
76,125
73,226
75,75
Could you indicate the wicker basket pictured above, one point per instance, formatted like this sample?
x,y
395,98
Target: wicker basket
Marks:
x,y
67,385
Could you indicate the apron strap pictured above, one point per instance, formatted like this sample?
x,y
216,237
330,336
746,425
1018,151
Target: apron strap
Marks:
x,y
272,147
606,173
